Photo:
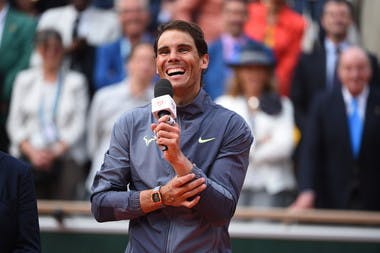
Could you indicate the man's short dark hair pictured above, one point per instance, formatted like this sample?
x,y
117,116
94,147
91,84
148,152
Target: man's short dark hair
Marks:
x,y
347,3
188,27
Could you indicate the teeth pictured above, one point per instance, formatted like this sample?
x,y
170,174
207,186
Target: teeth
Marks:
x,y
175,71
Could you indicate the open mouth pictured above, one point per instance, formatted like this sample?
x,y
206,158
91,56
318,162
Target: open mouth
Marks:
x,y
175,72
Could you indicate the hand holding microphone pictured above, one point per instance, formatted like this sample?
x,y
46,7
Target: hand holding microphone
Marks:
x,y
163,105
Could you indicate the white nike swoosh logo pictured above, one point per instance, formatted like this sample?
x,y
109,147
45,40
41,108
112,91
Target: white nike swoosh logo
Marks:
x,y
200,140
148,141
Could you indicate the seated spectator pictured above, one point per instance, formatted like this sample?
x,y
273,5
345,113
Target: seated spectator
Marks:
x,y
83,27
234,16
19,230
16,46
280,28
110,102
339,159
110,58
47,120
270,181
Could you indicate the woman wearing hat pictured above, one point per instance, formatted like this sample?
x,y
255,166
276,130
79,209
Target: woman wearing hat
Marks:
x,y
270,180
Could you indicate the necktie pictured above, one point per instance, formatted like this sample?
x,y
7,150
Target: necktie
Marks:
x,y
76,26
356,126
335,79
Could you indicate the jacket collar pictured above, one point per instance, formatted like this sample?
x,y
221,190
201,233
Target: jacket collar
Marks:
x,y
195,107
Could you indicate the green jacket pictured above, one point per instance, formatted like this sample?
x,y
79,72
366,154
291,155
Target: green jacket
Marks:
x,y
16,46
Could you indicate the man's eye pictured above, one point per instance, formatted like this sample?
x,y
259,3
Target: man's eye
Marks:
x,y
163,52
183,50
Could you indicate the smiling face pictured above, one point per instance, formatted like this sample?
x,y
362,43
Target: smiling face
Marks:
x,y
354,70
336,20
178,61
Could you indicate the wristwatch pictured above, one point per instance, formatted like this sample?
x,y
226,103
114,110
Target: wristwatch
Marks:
x,y
156,195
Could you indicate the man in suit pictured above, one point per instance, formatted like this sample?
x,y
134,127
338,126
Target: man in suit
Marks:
x,y
339,160
110,58
19,229
315,71
234,16
16,44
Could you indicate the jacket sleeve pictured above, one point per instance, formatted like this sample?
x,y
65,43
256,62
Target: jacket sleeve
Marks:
x,y
279,145
26,36
15,124
298,93
310,148
225,178
28,239
111,199
73,125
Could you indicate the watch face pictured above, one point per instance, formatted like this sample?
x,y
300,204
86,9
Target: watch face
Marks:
x,y
156,197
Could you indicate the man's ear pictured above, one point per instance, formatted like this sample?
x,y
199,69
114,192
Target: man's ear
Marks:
x,y
204,61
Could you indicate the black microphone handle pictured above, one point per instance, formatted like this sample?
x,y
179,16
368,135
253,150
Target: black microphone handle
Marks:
x,y
160,115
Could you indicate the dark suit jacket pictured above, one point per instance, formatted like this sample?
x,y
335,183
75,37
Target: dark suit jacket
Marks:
x,y
310,78
327,164
19,229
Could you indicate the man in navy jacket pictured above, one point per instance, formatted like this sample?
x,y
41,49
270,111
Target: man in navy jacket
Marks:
x,y
19,229
339,168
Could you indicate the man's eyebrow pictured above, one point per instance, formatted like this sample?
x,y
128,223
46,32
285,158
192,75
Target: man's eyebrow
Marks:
x,y
185,45
179,45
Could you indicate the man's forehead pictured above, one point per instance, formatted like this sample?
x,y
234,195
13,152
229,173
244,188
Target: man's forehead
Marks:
x,y
354,55
175,37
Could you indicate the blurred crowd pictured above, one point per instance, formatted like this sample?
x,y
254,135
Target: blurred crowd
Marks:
x,y
304,74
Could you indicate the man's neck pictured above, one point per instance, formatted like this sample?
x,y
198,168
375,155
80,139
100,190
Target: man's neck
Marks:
x,y
2,5
134,39
337,39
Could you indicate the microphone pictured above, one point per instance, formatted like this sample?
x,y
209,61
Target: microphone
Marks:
x,y
163,103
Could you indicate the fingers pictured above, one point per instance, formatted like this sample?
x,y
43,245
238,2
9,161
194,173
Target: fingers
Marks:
x,y
195,191
191,203
183,191
179,181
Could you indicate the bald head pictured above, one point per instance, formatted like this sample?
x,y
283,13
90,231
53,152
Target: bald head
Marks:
x,y
354,69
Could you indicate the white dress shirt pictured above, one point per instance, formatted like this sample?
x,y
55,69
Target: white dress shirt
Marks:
x,y
332,58
362,101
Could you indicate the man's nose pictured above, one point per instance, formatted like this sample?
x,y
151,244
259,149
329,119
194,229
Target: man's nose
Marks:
x,y
173,55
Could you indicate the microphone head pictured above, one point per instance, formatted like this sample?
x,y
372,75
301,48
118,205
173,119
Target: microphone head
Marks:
x,y
163,87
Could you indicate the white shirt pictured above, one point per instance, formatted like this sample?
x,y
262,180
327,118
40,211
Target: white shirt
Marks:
x,y
362,101
332,58
3,13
